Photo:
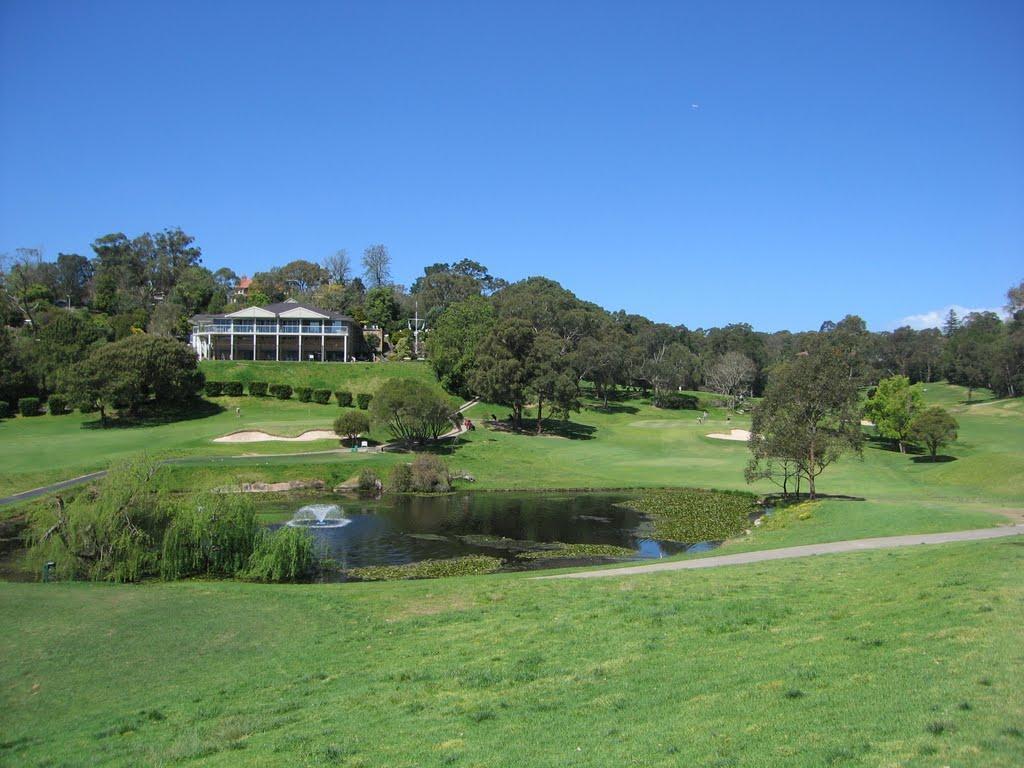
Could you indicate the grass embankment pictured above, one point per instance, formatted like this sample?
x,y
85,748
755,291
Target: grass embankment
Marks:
x,y
351,377
907,657
43,449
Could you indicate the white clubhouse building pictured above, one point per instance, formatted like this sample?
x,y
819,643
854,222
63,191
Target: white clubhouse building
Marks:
x,y
287,330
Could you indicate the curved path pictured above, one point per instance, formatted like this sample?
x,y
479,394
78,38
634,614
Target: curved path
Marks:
x,y
853,545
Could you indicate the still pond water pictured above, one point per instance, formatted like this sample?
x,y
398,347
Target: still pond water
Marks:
x,y
403,529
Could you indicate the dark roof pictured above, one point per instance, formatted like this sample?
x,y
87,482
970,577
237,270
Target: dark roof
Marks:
x,y
277,308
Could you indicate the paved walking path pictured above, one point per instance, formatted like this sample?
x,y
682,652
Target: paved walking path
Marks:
x,y
853,545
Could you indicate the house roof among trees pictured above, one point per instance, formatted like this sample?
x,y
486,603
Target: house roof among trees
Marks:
x,y
290,309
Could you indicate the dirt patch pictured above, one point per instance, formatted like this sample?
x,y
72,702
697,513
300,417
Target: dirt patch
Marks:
x,y
431,606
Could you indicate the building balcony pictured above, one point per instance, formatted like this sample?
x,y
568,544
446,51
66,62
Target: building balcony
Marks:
x,y
285,329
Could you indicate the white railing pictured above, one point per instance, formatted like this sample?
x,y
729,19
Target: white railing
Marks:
x,y
289,329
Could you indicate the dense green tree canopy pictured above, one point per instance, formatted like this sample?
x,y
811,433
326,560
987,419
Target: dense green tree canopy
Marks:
x,y
892,408
138,369
808,416
454,339
933,428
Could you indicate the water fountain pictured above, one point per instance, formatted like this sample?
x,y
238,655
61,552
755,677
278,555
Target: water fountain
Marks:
x,y
319,516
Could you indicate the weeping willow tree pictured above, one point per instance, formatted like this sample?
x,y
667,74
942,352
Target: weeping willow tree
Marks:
x,y
286,554
210,534
110,532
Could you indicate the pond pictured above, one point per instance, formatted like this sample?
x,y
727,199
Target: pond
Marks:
x,y
395,530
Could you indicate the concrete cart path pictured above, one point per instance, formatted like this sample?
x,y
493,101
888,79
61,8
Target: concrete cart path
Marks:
x,y
853,545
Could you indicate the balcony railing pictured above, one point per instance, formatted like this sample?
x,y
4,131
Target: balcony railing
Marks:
x,y
290,329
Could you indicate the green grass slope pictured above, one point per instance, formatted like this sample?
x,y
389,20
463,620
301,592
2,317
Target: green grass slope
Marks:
x,y
42,449
908,658
352,377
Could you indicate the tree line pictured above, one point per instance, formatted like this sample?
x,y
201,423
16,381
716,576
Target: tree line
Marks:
x,y
531,343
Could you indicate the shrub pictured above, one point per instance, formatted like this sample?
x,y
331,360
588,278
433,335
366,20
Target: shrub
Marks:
x,y
28,406
351,423
214,388
305,394
322,396
233,388
258,388
427,569
369,480
282,555
411,410
363,400
280,391
213,534
400,480
430,475
676,401
344,399
57,405
5,409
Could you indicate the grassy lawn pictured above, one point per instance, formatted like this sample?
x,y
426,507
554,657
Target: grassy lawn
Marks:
x,y
43,449
352,377
629,445
908,658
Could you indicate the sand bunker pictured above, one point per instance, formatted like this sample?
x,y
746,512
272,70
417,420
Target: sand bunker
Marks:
x,y
259,437
734,434
866,423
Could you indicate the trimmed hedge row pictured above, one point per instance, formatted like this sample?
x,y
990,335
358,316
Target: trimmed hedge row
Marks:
x,y
284,392
28,406
5,409
57,405
280,391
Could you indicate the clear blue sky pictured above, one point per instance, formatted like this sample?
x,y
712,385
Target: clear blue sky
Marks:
x,y
700,163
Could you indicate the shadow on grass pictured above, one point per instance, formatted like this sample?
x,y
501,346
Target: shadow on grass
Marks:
x,y
892,446
613,408
978,400
448,447
571,430
150,416
940,459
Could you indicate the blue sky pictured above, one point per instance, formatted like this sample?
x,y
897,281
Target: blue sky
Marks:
x,y
700,163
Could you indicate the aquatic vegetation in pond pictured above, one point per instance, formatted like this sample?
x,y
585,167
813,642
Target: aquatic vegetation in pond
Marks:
x,y
559,549
696,514
503,543
427,569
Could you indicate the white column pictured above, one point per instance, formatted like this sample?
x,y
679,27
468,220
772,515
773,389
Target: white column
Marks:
x,y
277,343
322,344
232,354
344,355
300,341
